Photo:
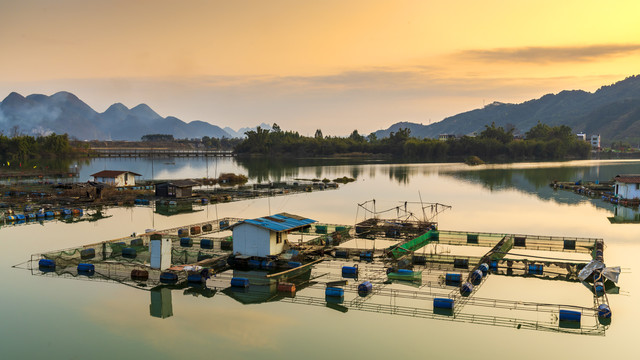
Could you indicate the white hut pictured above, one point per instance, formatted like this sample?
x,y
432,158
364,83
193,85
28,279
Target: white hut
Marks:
x,y
116,177
627,186
265,236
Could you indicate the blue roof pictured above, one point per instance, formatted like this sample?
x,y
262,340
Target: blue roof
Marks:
x,y
278,222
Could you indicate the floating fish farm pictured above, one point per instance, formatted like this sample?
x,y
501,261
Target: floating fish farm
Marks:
x,y
395,266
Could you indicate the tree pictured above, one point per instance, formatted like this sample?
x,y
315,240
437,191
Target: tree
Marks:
x,y
276,128
318,134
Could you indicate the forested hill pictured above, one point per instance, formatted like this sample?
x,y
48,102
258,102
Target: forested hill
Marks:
x,y
612,111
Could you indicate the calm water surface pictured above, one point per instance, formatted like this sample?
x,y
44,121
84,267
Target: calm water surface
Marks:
x,y
62,318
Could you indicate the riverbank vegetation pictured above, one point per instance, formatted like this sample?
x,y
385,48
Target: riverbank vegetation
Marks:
x,y
494,143
25,147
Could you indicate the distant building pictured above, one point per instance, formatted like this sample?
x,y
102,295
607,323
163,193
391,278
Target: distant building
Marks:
x,y
595,141
627,186
176,188
266,235
582,136
116,177
445,137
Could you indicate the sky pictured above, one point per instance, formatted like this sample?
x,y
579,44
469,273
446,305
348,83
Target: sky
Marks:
x,y
306,65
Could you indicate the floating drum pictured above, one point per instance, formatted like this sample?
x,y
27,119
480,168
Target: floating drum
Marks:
x,y
129,253
435,236
535,269
136,242
66,212
286,287
186,242
195,230
419,260
442,303
342,254
599,288
476,277
334,292
226,245
240,282
195,279
254,264
570,315
206,244
87,254
366,256
493,265
86,269
204,201
139,275
604,312
484,268
520,241
183,232
350,271
452,279
207,227
293,264
569,244
461,263
46,265
472,238
48,214
321,229
224,224
365,288
466,289
168,278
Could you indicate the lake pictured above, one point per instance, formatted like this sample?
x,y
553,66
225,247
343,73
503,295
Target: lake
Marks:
x,y
61,318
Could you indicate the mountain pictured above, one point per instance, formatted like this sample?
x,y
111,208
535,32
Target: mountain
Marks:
x,y
612,111
63,112
241,131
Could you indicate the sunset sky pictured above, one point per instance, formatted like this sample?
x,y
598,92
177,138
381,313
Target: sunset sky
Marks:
x,y
334,65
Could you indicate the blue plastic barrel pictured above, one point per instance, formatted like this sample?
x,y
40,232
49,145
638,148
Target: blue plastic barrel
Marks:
x,y
366,256
130,253
206,244
405,272
86,269
46,265
168,278
349,271
484,268
186,242
293,264
604,311
466,289
599,288
183,232
570,315
48,214
334,292
365,287
239,282
452,278
195,279
493,265
254,263
66,212
476,277
137,242
40,215
442,303
536,269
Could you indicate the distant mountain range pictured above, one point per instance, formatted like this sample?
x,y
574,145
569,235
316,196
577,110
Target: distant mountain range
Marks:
x,y
63,113
612,111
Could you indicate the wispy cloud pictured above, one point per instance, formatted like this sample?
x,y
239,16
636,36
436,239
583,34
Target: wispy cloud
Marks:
x,y
547,54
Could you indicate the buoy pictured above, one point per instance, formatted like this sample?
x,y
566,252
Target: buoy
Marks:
x,y
466,289
604,311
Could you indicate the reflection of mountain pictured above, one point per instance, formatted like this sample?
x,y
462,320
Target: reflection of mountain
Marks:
x,y
536,180
264,169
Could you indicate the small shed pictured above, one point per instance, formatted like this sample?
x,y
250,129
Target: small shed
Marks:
x,y
116,177
265,236
627,186
175,188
